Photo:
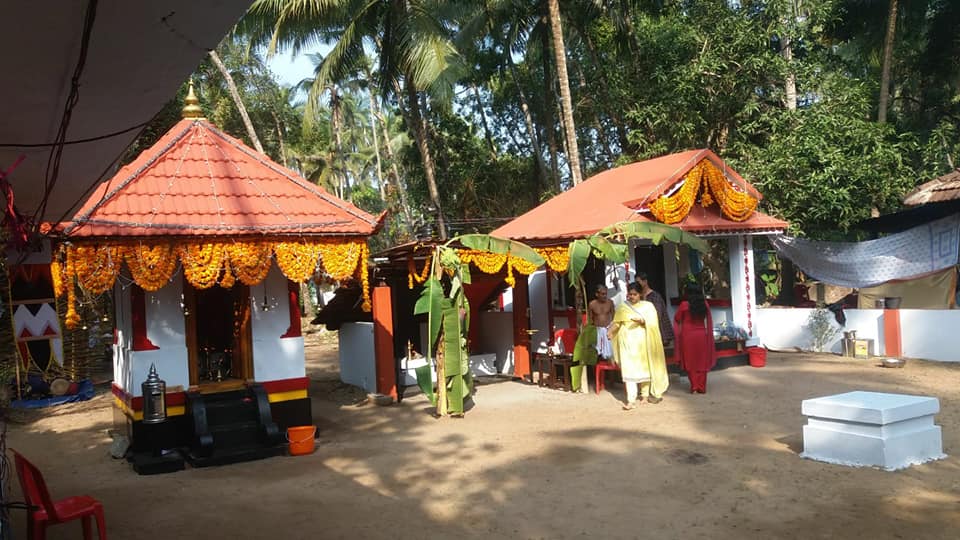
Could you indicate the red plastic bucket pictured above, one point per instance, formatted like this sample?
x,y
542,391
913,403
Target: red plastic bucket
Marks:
x,y
301,439
758,356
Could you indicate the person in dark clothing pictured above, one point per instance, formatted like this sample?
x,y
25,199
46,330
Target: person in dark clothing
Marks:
x,y
652,296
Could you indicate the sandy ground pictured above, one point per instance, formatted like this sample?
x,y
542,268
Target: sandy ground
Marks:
x,y
528,462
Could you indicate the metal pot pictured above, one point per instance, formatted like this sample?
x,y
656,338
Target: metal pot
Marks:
x,y
893,362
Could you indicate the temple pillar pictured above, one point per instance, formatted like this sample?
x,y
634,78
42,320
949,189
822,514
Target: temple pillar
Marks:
x,y
521,338
386,363
742,297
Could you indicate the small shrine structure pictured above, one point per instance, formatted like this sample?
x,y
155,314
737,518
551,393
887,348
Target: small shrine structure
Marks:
x,y
204,243
695,191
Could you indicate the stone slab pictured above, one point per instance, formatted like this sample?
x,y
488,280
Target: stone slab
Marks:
x,y
870,407
859,450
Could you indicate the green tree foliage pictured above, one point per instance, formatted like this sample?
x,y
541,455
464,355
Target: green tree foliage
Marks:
x,y
464,98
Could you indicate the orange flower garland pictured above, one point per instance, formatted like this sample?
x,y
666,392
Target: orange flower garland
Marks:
x,y
248,261
340,258
557,257
365,276
72,318
95,267
297,260
412,274
488,263
202,263
150,265
57,277
735,204
228,280
674,208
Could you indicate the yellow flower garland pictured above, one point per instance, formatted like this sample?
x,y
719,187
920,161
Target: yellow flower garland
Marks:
x,y
249,261
95,267
297,260
734,203
488,263
674,208
365,276
340,258
202,263
150,265
412,274
57,277
557,257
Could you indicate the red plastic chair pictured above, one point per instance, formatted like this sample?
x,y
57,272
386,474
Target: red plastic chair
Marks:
x,y
45,511
600,370
568,337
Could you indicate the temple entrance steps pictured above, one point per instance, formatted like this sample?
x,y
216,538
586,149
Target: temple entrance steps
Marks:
x,y
232,426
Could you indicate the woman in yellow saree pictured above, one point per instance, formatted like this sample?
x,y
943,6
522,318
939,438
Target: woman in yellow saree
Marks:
x,y
635,335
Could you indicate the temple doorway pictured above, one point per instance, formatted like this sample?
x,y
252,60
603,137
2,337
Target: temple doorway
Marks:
x,y
219,337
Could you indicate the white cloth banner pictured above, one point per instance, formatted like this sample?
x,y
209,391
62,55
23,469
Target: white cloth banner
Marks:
x,y
914,252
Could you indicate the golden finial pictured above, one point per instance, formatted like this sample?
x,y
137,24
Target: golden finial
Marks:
x,y
191,109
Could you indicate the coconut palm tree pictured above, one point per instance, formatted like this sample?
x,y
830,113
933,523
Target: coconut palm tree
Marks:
x,y
417,57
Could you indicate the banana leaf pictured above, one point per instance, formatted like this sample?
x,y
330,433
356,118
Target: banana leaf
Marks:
x,y
615,253
585,350
655,232
579,253
493,244
425,381
454,356
430,302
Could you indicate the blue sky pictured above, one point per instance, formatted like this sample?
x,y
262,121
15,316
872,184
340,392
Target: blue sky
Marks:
x,y
289,70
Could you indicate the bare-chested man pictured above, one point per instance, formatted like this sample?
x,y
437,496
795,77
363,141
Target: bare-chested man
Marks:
x,y
601,315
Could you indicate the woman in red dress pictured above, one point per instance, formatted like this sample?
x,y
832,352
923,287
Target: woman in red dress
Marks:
x,y
694,346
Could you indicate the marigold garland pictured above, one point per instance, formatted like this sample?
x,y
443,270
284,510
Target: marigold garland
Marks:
x,y
523,266
557,257
365,276
674,208
297,260
72,318
412,275
95,266
249,261
202,263
486,262
57,277
340,258
150,265
734,203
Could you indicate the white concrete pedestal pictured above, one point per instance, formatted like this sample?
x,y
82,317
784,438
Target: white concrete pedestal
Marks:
x,y
891,431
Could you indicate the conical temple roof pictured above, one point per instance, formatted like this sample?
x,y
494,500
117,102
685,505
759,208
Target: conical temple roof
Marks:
x,y
197,180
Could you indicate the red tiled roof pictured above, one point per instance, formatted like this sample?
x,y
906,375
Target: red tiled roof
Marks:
x,y
197,180
622,194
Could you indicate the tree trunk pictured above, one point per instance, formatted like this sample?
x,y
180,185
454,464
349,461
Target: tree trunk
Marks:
x,y
336,126
887,59
283,149
531,132
486,125
235,94
420,134
790,84
566,103
548,102
376,148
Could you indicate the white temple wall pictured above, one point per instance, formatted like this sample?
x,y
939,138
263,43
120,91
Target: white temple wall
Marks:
x,y
742,297
166,330
539,308
123,332
924,333
274,358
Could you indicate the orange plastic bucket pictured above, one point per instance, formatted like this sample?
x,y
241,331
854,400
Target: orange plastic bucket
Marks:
x,y
301,439
758,356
